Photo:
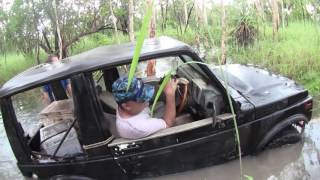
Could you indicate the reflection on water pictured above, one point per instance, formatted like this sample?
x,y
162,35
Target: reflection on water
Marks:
x,y
294,162
27,106
8,168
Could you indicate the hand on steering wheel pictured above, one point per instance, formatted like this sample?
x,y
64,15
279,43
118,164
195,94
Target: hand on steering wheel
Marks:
x,y
183,83
182,87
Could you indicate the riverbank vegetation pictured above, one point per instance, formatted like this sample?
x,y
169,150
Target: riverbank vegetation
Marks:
x,y
282,36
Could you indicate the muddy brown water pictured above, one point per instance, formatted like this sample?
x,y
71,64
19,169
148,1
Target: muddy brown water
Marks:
x,y
300,161
292,162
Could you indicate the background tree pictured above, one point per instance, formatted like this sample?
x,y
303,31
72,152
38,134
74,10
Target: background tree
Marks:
x,y
164,11
151,65
74,20
114,21
275,18
223,34
131,22
3,23
29,28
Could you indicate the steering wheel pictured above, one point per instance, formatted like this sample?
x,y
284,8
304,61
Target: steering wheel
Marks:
x,y
182,86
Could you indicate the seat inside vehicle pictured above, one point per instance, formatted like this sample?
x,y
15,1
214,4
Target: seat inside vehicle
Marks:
x,y
108,103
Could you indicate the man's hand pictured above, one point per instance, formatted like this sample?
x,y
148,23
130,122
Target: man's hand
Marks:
x,y
170,111
171,87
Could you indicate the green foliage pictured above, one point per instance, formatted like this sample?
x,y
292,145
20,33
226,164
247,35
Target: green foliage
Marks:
x,y
162,86
299,11
237,135
187,37
312,81
96,40
295,55
12,64
19,31
248,177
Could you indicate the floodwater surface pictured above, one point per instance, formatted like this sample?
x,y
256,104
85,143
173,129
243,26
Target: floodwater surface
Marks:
x,y
300,161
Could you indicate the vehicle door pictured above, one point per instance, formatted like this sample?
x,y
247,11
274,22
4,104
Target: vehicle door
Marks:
x,y
192,145
175,149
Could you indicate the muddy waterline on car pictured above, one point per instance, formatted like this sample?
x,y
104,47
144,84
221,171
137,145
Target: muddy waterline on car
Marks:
x,y
292,162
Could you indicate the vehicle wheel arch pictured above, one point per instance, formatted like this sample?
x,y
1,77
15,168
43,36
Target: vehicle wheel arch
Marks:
x,y
278,128
70,177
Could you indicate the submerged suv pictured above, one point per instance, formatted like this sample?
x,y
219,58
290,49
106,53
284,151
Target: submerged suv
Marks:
x,y
78,136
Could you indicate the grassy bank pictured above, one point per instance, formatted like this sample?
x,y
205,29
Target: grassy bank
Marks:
x,y
13,63
295,53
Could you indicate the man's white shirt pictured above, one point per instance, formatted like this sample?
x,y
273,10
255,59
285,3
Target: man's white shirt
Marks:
x,y
139,126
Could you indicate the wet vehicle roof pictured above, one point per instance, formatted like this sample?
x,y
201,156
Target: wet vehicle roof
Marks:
x,y
91,60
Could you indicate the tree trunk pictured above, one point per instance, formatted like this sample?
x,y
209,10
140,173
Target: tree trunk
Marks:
x,y
185,10
204,13
35,21
275,19
188,18
259,9
223,34
302,9
131,27
152,32
260,14
205,24
54,4
151,66
164,12
282,13
38,50
198,22
178,16
114,21
162,15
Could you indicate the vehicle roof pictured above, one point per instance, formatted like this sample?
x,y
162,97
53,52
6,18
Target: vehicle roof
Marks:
x,y
91,60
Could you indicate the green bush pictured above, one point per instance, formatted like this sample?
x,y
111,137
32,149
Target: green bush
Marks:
x,y
295,53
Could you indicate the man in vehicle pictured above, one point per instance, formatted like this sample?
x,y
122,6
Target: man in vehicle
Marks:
x,y
57,90
133,113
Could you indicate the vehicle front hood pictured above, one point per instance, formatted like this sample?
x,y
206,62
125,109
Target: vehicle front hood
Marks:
x,y
259,86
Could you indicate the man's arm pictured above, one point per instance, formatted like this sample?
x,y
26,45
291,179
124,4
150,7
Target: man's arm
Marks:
x,y
45,94
69,90
170,110
67,87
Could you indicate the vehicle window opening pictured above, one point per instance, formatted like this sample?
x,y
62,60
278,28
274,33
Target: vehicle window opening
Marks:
x,y
58,91
62,135
103,84
203,100
50,130
109,76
